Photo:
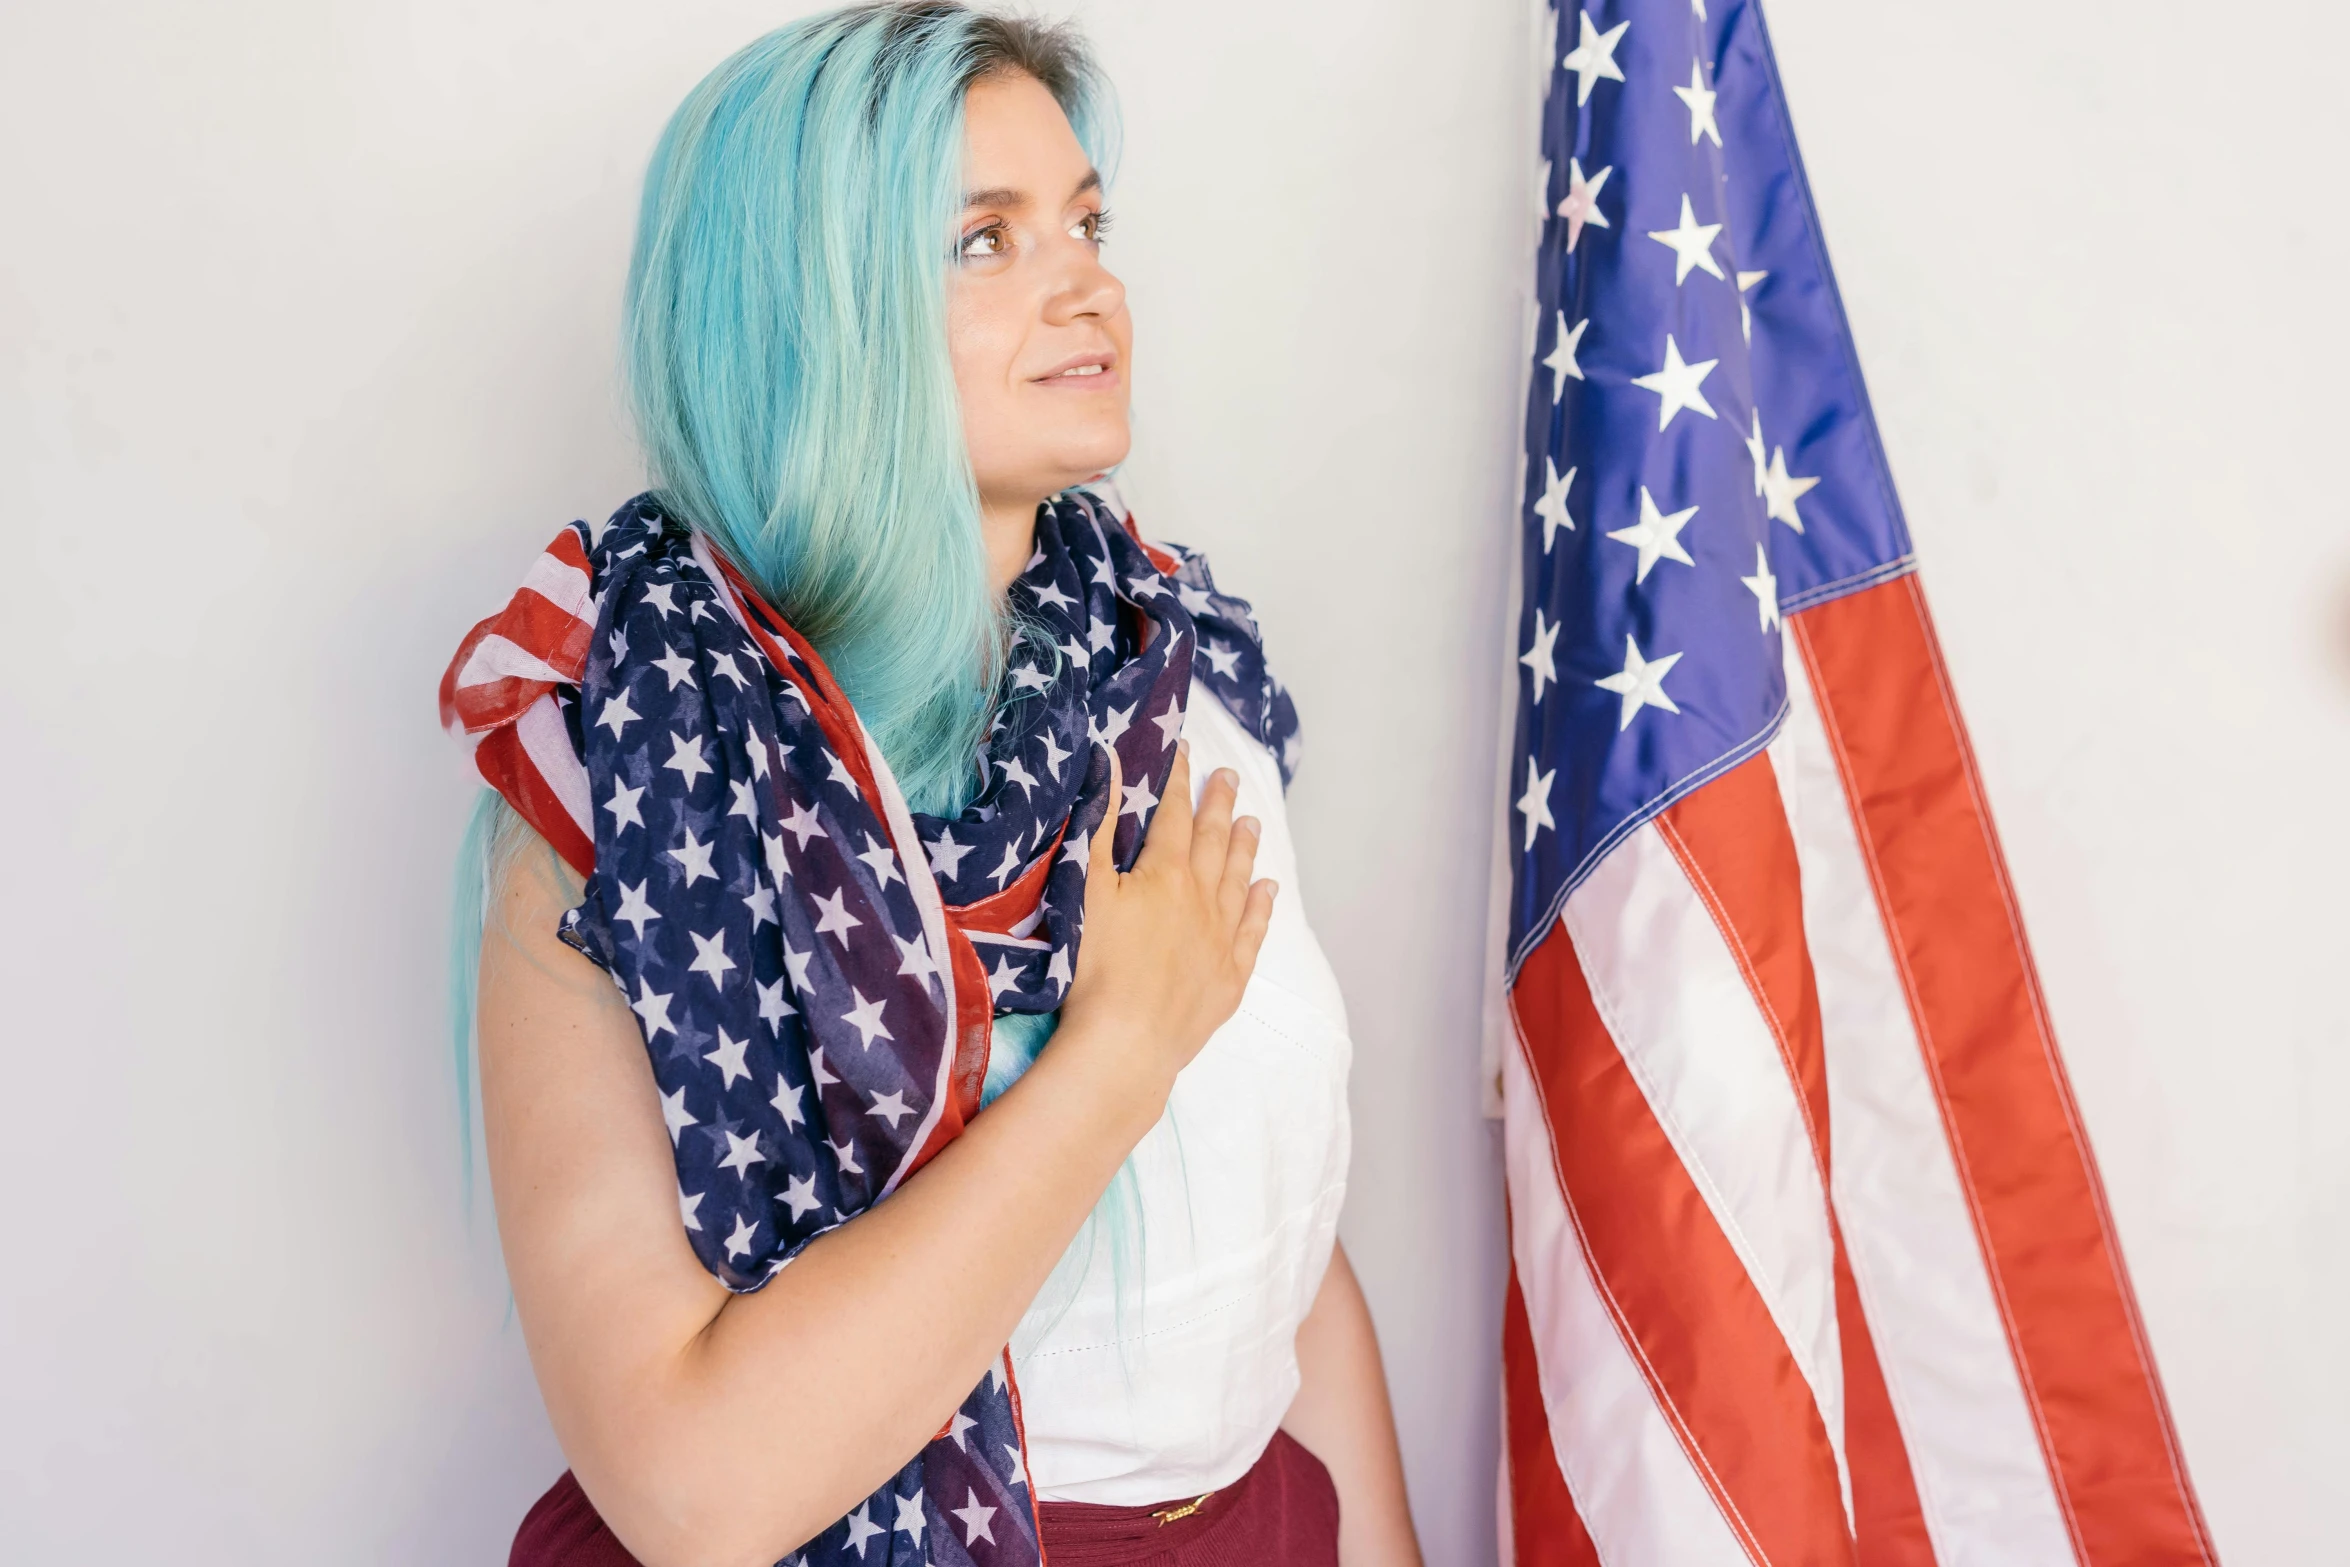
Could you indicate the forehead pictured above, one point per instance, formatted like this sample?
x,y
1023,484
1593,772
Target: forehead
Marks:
x,y
1018,144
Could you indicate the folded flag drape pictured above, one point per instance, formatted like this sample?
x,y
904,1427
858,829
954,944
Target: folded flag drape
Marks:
x,y
1809,1258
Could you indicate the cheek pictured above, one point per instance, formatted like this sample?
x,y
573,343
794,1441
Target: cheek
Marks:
x,y
983,341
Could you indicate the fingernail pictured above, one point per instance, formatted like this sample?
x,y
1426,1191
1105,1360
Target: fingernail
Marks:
x,y
1250,825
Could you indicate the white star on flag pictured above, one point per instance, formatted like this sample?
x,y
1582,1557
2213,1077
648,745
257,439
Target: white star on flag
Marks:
x,y
914,956
803,824
1691,244
617,714
728,1057
653,1008
1535,802
787,1102
1138,798
1765,589
841,775
686,1206
710,958
1552,507
1677,383
883,859
1701,105
741,1154
862,1528
1657,536
773,1009
1581,205
1538,658
738,1244
677,667
945,854
685,756
836,921
1170,722
622,805
976,1519
865,1018
635,908
695,857
1747,280
891,1107
910,1520
1781,491
1641,683
1561,359
675,1115
1004,978
799,1195
1594,58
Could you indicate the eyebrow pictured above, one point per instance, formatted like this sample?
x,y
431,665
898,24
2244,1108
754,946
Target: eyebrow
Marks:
x,y
1007,196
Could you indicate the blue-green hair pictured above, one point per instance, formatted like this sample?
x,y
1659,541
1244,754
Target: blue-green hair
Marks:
x,y
786,349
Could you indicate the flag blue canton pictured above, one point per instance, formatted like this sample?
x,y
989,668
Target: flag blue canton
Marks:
x,y
1700,455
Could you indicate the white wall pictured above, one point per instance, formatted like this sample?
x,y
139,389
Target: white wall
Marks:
x,y
305,323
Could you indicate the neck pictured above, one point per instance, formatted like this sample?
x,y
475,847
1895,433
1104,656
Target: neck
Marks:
x,y
1009,529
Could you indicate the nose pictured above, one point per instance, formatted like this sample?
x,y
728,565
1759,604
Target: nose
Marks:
x,y
1084,287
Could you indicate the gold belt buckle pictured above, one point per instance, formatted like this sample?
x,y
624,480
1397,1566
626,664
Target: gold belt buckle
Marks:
x,y
1167,1515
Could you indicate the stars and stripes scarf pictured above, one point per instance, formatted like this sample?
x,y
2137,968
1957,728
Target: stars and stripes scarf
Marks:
x,y
814,966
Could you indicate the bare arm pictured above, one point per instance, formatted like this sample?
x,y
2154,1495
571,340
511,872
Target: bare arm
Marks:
x,y
1341,1416
716,1429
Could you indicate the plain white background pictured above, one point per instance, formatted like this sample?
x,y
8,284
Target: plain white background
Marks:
x,y
306,313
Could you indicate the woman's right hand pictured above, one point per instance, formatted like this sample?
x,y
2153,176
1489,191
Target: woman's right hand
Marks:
x,y
1168,947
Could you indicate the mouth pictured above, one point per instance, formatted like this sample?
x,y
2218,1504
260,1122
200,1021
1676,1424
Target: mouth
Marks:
x,y
1094,372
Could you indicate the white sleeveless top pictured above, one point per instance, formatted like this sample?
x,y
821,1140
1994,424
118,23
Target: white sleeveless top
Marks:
x,y
1174,1386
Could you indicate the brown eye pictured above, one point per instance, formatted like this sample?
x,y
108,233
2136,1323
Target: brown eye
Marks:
x,y
985,243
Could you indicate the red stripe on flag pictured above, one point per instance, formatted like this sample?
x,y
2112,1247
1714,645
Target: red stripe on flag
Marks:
x,y
1547,1529
1716,1363
1732,839
2030,1179
507,768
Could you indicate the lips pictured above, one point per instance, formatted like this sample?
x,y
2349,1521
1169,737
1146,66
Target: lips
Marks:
x,y
1082,370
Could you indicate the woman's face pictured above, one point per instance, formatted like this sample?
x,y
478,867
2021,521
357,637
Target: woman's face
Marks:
x,y
1037,327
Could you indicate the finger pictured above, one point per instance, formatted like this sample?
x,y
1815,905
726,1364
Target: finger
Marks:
x,y
1101,859
1240,861
1211,827
1170,830
1255,919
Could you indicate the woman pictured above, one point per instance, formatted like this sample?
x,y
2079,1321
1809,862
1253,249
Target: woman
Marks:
x,y
813,766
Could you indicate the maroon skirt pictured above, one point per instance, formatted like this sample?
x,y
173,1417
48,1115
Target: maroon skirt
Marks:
x,y
1282,1513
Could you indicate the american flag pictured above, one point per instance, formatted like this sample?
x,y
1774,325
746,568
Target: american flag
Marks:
x,y
1809,1258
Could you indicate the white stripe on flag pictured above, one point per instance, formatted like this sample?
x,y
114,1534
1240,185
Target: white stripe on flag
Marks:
x,y
1631,1480
495,658
560,583
1686,1022
1973,1447
547,743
